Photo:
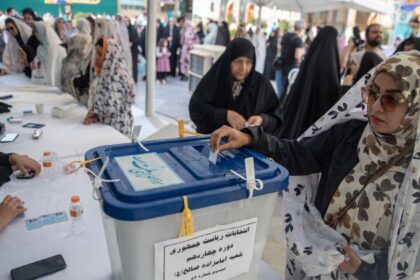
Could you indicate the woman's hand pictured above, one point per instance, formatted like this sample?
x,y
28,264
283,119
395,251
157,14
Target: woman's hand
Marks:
x,y
32,65
10,207
24,163
353,263
90,118
235,120
255,120
23,59
235,139
348,80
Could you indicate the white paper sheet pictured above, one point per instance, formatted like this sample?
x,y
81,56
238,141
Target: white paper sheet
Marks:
x,y
218,253
147,171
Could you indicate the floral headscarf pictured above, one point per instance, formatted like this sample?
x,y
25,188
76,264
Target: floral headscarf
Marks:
x,y
112,92
394,197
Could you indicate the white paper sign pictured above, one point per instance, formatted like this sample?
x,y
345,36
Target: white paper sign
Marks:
x,y
147,171
217,253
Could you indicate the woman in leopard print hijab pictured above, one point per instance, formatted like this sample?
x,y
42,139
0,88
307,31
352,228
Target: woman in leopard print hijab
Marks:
x,y
385,217
378,236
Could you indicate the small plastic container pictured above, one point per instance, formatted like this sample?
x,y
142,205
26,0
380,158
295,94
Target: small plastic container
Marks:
x,y
47,164
76,214
47,159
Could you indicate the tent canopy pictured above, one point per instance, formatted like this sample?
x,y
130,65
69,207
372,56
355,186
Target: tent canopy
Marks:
x,y
309,6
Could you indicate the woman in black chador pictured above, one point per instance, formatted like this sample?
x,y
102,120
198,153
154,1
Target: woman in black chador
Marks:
x,y
233,93
316,88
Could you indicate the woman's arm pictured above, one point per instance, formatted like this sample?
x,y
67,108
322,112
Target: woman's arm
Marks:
x,y
302,157
299,157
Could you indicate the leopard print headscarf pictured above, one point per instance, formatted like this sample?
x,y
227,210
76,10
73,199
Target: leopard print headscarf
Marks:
x,y
368,222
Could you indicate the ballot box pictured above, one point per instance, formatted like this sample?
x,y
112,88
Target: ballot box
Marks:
x,y
142,211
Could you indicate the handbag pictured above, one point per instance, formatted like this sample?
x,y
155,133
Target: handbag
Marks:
x,y
336,217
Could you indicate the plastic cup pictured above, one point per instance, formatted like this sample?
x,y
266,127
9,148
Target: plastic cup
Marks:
x,y
40,109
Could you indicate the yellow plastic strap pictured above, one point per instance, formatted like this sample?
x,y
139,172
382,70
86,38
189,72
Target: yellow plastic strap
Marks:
x,y
182,132
187,226
181,128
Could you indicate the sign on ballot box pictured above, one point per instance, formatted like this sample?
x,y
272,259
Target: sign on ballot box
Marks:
x,y
221,252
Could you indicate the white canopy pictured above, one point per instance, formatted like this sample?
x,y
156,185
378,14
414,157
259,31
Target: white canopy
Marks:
x,y
309,6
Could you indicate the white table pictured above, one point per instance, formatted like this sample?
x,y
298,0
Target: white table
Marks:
x,y
86,254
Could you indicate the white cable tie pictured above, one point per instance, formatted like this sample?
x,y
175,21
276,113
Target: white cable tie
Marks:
x,y
97,182
141,145
251,185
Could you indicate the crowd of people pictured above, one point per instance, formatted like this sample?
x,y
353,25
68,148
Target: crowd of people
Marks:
x,y
349,113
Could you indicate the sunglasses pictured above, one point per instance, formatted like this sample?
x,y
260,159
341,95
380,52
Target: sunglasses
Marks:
x,y
10,29
389,102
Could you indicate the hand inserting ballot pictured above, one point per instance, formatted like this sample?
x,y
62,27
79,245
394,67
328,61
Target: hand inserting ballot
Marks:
x,y
235,139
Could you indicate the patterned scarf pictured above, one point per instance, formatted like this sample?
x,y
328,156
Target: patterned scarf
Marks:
x,y
112,93
236,89
368,222
99,61
314,250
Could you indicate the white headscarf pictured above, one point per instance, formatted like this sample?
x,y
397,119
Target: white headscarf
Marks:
x,y
125,42
210,38
49,53
314,246
11,52
104,27
259,42
83,25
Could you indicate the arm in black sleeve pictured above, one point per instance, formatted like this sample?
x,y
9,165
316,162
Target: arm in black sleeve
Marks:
x,y
30,55
375,271
83,80
272,114
5,168
270,121
28,71
302,157
204,114
4,159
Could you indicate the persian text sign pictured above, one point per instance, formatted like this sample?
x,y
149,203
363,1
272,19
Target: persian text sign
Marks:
x,y
217,253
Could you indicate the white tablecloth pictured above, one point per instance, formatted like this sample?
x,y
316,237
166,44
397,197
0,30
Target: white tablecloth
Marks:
x,y
86,254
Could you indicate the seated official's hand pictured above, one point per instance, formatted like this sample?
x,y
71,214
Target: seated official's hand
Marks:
x,y
23,59
235,139
90,118
10,207
348,80
235,120
255,120
24,164
32,65
353,263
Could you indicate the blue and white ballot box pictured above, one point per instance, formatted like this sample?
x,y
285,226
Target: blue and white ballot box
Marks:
x,y
142,212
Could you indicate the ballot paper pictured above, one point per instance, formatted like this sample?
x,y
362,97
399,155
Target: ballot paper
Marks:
x,y
213,156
